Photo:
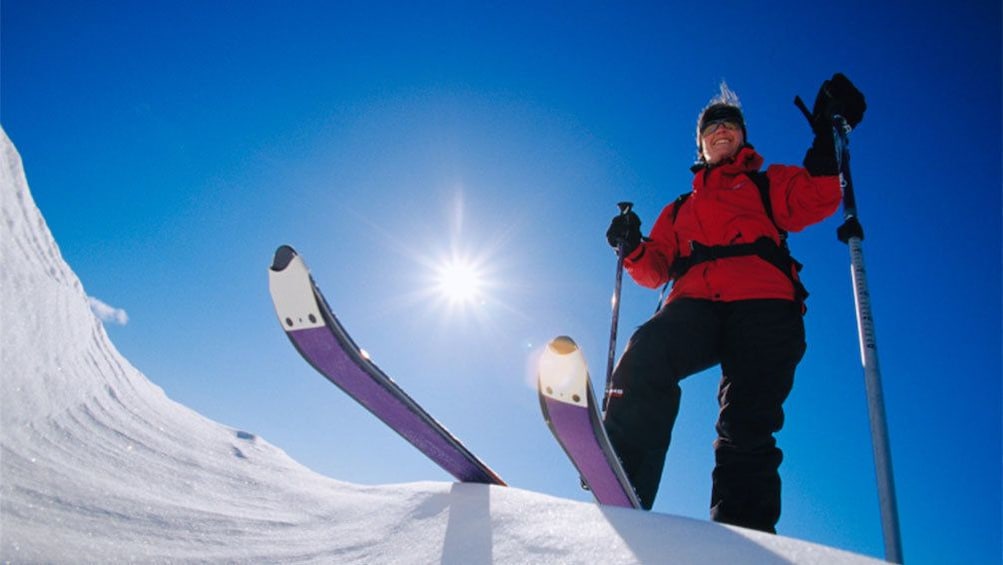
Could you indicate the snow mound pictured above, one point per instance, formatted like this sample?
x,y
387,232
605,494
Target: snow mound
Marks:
x,y
98,465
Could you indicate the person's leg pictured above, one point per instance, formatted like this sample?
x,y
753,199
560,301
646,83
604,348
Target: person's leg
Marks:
x,y
763,343
682,339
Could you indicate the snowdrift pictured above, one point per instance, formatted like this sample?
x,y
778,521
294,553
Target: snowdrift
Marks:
x,y
99,465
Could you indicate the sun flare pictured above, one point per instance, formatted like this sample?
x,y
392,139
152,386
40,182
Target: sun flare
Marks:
x,y
459,281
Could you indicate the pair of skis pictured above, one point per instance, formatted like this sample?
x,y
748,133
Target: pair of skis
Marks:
x,y
566,396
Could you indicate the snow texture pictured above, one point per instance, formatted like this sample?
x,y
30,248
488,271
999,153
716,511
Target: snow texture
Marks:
x,y
99,465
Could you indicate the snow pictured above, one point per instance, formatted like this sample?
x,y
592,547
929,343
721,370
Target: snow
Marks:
x,y
99,465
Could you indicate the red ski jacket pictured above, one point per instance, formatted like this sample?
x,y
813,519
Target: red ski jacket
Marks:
x,y
726,208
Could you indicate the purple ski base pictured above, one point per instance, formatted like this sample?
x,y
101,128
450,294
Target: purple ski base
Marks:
x,y
573,427
323,351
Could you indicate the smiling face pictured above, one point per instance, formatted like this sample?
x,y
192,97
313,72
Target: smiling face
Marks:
x,y
721,140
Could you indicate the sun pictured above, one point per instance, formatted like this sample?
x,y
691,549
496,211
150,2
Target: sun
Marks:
x,y
459,281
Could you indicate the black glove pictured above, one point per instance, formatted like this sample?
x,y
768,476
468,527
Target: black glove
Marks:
x,y
820,159
837,96
625,228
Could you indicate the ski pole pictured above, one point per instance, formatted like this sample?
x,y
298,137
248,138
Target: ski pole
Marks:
x,y
624,210
852,233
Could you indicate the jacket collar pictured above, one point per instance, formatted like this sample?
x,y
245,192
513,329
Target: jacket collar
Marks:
x,y
746,160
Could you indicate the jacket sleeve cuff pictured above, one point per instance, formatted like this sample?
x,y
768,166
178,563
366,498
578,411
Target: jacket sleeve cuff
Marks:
x,y
636,255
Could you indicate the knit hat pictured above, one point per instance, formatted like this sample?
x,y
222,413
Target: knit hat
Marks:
x,y
724,107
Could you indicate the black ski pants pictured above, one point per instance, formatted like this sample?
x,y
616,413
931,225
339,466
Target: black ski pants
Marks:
x,y
758,344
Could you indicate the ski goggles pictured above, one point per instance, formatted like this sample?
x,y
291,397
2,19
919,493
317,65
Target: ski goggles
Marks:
x,y
718,124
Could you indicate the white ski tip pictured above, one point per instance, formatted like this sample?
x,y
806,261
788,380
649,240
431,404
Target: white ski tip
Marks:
x,y
564,373
292,295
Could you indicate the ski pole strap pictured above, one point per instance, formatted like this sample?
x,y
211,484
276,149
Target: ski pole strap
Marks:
x,y
764,248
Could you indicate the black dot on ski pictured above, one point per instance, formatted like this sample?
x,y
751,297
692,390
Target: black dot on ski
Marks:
x,y
576,398
313,319
289,322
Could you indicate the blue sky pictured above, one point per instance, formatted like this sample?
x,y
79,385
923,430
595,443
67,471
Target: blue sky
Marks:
x,y
171,146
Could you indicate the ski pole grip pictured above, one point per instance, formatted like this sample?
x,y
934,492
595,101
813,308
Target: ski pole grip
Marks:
x,y
624,207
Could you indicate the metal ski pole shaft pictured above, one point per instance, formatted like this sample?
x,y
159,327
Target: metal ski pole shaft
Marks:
x,y
611,355
852,233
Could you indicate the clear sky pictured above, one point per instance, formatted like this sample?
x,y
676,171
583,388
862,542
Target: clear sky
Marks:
x,y
171,146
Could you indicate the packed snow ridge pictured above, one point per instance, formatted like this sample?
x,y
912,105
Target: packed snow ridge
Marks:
x,y
98,465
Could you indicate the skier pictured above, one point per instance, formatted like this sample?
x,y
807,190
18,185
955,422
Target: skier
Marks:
x,y
736,301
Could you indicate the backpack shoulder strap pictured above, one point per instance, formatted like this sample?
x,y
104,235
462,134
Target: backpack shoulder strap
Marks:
x,y
762,182
679,204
